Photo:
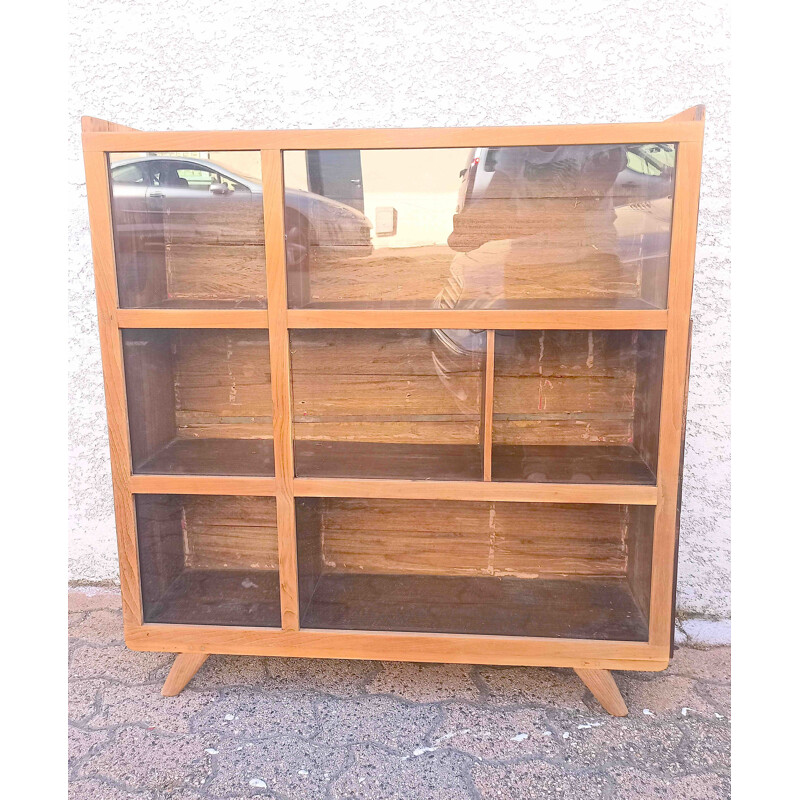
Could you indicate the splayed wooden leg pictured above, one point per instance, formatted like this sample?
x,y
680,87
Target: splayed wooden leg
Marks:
x,y
183,670
601,684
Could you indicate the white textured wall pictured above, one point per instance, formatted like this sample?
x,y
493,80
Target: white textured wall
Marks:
x,y
223,64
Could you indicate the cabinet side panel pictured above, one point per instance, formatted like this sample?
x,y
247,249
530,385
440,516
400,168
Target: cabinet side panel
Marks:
x,y
97,190
272,179
640,554
161,546
684,237
150,391
647,396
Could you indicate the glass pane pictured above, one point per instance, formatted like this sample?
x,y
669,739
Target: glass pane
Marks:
x,y
577,406
188,230
580,226
387,403
510,569
199,401
209,560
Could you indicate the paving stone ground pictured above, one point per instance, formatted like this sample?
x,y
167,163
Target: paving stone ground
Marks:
x,y
297,729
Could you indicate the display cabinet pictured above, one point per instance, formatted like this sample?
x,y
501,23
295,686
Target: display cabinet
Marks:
x,y
398,394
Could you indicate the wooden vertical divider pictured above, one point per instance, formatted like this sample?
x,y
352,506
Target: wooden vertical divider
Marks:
x,y
681,273
280,376
99,197
487,407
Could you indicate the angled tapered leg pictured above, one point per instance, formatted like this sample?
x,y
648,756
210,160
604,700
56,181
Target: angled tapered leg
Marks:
x,y
601,684
183,670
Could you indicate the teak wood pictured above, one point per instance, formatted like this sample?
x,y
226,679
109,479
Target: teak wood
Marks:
x,y
304,465
183,670
600,682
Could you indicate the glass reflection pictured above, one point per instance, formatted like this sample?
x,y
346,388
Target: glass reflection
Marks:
x,y
188,230
541,226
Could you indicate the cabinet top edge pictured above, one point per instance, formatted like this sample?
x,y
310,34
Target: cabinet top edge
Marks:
x,y
115,138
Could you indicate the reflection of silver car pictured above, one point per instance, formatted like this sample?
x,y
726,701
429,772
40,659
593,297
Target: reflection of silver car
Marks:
x,y
197,193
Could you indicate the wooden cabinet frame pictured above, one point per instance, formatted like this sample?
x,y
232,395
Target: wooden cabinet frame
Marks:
x,y
589,657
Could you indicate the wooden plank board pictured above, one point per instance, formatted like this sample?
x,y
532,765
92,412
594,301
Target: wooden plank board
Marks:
x,y
189,141
487,405
272,181
516,268
384,386
222,384
565,387
687,199
192,318
479,319
203,484
475,490
215,272
392,646
114,381
449,538
230,533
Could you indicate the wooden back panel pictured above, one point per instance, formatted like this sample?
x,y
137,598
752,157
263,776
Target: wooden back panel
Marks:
x,y
226,532
573,387
383,386
467,538
222,384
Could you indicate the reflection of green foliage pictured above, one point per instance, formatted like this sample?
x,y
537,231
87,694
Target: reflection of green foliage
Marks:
x,y
651,159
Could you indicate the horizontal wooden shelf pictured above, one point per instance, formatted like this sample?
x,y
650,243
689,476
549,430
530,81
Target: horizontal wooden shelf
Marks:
x,y
478,319
550,319
475,490
399,489
203,484
381,138
591,608
192,318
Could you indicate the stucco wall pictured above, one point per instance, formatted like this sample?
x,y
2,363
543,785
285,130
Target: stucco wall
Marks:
x,y
260,64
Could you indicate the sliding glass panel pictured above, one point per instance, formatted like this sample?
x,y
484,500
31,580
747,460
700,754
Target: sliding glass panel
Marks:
x,y
577,406
388,403
199,401
188,229
574,226
509,569
209,560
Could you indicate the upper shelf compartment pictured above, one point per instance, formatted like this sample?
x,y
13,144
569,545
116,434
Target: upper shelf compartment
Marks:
x,y
579,227
188,230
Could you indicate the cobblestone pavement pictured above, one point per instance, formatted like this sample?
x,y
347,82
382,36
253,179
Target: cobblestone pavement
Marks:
x,y
300,729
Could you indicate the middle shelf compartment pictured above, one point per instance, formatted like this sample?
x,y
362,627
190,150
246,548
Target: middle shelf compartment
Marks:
x,y
544,406
199,401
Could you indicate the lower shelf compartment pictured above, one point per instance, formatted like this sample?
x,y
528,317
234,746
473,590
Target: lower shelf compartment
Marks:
x,y
209,559
552,570
221,597
570,464
602,608
212,457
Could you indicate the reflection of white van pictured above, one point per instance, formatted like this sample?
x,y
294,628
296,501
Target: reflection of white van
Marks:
x,y
498,182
